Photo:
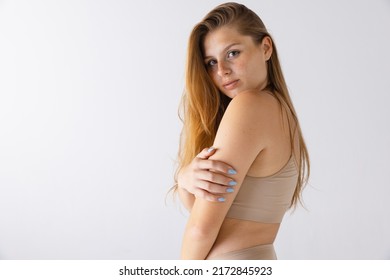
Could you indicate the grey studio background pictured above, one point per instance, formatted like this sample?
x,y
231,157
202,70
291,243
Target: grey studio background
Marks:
x,y
89,92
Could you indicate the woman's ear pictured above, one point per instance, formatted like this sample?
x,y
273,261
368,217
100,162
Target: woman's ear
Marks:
x,y
266,44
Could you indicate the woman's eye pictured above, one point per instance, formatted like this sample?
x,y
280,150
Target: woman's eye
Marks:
x,y
232,54
211,63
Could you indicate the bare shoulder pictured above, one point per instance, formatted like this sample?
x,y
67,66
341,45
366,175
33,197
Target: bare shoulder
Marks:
x,y
255,99
257,106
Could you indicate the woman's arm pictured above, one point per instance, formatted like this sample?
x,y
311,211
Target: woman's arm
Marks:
x,y
241,136
204,178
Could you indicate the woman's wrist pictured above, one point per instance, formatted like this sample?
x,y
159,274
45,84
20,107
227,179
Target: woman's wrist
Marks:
x,y
180,185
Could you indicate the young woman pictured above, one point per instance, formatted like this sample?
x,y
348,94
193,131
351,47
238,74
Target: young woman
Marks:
x,y
236,100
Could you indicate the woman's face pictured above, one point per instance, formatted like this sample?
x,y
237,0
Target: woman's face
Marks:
x,y
234,62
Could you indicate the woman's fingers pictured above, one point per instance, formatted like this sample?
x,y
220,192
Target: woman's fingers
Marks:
x,y
200,193
208,179
211,180
216,166
215,188
204,163
206,153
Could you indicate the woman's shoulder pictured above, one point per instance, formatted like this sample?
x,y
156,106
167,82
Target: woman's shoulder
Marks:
x,y
256,112
255,102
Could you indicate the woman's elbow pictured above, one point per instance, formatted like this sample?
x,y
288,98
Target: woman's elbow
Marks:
x,y
200,232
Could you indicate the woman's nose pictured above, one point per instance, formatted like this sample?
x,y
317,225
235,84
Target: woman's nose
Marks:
x,y
223,69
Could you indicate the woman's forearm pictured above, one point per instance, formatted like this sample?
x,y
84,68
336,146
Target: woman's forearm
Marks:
x,y
197,243
202,228
186,198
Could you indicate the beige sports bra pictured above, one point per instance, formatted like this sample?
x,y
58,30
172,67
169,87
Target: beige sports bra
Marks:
x,y
265,199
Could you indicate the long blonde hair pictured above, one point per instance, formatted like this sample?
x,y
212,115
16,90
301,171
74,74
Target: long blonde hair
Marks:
x,y
203,105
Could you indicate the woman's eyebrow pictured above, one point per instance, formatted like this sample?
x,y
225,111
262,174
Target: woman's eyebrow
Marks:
x,y
224,50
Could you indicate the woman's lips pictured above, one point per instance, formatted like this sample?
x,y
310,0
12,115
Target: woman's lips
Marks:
x,y
230,85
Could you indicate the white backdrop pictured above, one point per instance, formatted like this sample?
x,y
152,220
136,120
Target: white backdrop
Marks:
x,y
89,131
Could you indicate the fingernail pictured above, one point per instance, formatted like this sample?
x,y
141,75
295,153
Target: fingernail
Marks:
x,y
210,149
232,183
221,199
232,171
229,190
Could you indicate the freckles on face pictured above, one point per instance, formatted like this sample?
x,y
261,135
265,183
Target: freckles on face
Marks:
x,y
234,62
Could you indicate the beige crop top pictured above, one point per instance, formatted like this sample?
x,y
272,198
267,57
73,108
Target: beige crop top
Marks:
x,y
265,199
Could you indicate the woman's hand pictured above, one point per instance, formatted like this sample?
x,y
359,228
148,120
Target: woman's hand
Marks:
x,y
207,179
